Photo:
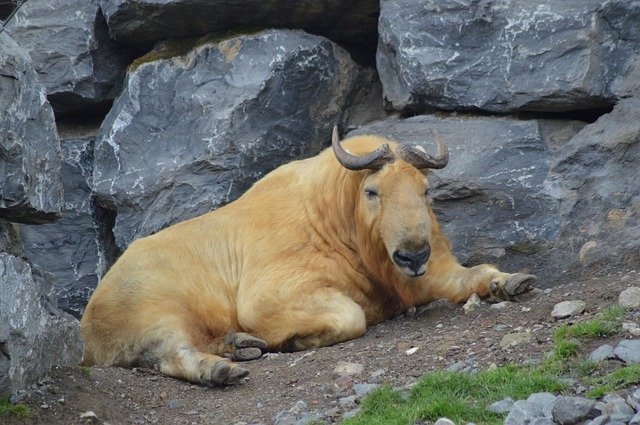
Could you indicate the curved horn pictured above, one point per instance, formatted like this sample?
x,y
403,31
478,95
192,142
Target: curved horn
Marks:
x,y
372,161
421,160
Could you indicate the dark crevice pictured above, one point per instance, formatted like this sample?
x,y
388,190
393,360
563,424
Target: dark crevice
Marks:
x,y
86,113
587,115
105,219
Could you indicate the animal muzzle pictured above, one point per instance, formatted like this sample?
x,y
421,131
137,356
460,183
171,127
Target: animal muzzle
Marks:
x,y
412,263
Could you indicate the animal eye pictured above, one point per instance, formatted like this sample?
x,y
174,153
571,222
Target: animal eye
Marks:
x,y
370,194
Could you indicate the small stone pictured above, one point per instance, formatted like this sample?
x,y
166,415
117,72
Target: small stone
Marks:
x,y
631,327
526,309
472,303
350,413
364,389
604,352
348,402
501,305
514,339
630,297
571,410
523,412
586,248
299,407
600,420
348,369
444,421
173,404
502,406
566,309
411,311
545,401
89,416
376,376
411,351
628,350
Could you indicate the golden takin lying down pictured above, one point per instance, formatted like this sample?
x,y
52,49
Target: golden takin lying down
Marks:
x,y
308,257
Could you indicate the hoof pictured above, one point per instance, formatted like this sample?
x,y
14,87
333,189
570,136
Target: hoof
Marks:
x,y
243,346
224,373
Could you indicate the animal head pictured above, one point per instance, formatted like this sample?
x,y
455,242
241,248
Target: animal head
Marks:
x,y
393,199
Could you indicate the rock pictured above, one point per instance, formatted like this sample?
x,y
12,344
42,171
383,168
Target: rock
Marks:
x,y
71,252
628,350
604,352
363,389
633,399
376,376
34,335
630,297
89,417
487,214
597,191
348,402
504,304
472,303
635,420
542,421
351,413
617,409
30,164
299,407
571,410
501,57
219,117
502,406
69,44
147,21
348,369
513,339
631,327
444,421
600,420
545,401
566,309
523,412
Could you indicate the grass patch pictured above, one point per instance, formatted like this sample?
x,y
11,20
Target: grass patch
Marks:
x,y
458,396
20,410
618,379
85,371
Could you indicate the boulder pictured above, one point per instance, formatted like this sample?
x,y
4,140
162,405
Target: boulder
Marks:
x,y
30,162
34,335
143,22
492,196
69,44
192,132
71,252
505,55
595,176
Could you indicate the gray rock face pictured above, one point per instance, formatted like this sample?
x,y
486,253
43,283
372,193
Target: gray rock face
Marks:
x,y
522,413
571,410
504,55
31,189
502,406
628,350
144,22
33,334
604,352
69,45
600,191
492,195
191,133
70,252
545,401
630,297
568,308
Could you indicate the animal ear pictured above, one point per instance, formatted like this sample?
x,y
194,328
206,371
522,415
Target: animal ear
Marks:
x,y
417,157
372,161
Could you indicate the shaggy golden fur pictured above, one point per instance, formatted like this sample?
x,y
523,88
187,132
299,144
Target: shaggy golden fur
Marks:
x,y
302,259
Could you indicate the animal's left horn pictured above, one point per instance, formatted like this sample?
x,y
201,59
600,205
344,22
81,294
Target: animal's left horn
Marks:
x,y
421,160
372,161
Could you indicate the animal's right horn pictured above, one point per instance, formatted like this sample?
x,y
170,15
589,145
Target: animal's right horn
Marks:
x,y
422,160
372,161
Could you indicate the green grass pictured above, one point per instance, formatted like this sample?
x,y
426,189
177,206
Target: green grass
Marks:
x,y
458,396
618,379
85,371
6,408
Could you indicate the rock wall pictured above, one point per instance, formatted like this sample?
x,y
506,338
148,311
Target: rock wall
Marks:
x,y
119,118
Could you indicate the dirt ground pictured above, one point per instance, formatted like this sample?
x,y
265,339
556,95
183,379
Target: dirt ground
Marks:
x,y
440,334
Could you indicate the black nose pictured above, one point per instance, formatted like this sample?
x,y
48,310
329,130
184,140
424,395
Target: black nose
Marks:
x,y
411,259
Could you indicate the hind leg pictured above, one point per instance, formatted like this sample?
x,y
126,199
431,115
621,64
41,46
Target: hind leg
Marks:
x,y
305,317
201,368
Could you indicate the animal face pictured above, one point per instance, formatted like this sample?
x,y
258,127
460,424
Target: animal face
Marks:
x,y
394,199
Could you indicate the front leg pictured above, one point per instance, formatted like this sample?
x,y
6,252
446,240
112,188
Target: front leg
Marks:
x,y
458,283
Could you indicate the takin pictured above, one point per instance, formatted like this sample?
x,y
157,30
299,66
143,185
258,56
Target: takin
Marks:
x,y
310,256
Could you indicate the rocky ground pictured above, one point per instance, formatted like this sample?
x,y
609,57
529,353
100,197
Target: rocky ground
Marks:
x,y
327,383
